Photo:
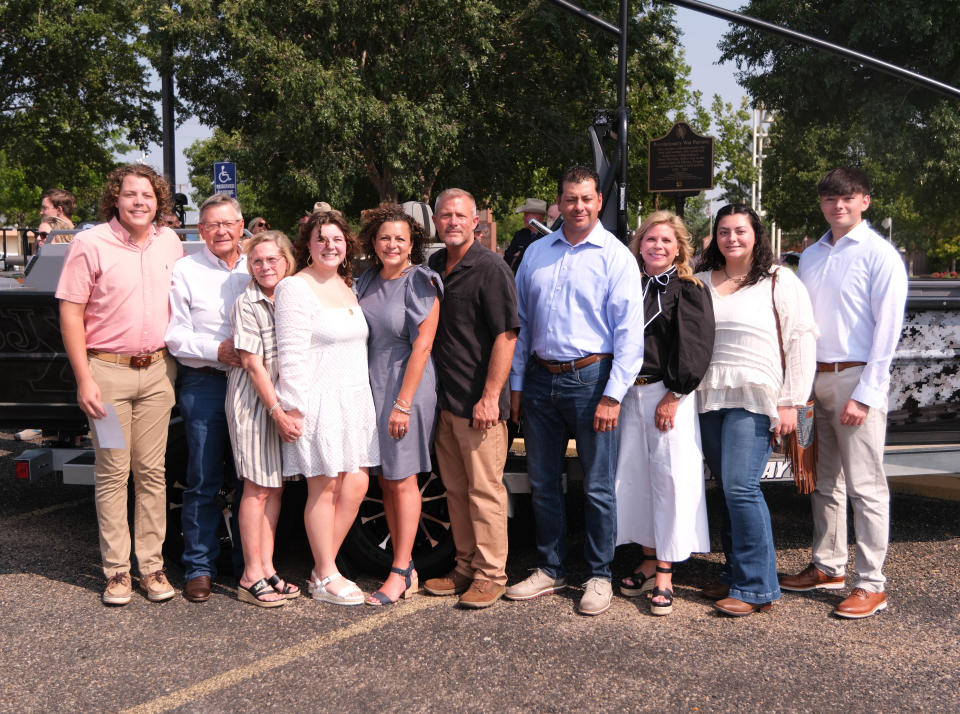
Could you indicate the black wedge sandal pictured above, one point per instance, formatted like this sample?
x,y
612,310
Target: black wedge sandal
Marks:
x,y
636,584
664,608
411,587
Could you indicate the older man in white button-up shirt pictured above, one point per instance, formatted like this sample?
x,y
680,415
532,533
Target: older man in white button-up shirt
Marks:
x,y
205,286
858,286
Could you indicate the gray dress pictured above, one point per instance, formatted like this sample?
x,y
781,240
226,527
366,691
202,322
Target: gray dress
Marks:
x,y
394,310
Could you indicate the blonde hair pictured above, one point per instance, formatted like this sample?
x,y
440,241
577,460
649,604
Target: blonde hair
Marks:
x,y
278,239
684,243
57,223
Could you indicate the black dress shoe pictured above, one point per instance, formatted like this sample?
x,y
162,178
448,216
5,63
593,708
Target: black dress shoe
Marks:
x,y
197,589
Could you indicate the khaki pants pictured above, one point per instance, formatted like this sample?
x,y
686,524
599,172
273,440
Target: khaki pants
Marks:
x,y
849,465
143,399
471,467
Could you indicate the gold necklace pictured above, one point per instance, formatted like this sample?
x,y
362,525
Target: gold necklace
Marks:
x,y
737,280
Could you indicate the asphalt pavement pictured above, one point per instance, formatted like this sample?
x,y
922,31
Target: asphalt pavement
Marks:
x,y
63,650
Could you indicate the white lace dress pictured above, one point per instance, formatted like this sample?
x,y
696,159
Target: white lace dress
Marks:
x,y
322,359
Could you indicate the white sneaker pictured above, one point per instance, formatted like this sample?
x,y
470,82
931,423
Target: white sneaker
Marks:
x,y
597,594
538,583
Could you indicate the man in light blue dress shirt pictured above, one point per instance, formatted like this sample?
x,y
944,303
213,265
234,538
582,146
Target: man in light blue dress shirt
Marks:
x,y
858,287
579,349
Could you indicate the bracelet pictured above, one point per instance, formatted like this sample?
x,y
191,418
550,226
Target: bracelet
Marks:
x,y
272,409
401,402
402,410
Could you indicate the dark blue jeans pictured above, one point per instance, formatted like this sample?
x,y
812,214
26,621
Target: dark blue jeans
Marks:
x,y
555,406
736,445
209,468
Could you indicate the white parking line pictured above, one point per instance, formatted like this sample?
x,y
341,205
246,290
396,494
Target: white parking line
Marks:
x,y
254,669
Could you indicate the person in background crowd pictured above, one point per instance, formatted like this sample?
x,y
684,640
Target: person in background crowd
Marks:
x,y
257,422
324,385
258,225
858,286
53,223
579,350
206,284
474,345
661,501
400,298
113,294
533,208
171,219
553,216
58,202
749,396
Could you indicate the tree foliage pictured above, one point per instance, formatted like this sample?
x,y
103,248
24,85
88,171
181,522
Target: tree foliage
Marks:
x,y
832,112
73,89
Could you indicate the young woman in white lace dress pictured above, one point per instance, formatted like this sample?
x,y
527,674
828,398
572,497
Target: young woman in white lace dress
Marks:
x,y
322,355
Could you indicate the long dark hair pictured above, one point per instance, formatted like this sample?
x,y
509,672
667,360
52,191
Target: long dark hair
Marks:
x,y
388,213
762,254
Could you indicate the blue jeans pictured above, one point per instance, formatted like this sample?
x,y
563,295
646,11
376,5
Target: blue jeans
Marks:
x,y
209,468
554,407
736,445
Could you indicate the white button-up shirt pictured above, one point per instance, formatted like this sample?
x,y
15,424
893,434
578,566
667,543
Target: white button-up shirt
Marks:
x,y
201,298
858,288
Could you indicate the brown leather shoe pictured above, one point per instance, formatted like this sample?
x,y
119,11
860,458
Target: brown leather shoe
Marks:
x,y
861,603
715,590
197,589
453,583
482,593
811,578
738,608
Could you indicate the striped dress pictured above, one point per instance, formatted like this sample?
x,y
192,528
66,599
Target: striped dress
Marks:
x,y
253,434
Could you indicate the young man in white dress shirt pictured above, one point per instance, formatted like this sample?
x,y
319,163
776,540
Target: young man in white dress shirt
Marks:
x,y
205,286
858,286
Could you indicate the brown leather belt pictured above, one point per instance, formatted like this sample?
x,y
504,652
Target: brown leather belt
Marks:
x,y
134,361
556,367
644,381
837,366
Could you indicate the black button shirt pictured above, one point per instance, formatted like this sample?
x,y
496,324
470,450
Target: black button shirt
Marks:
x,y
479,303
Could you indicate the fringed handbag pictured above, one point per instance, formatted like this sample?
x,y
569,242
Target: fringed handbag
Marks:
x,y
800,446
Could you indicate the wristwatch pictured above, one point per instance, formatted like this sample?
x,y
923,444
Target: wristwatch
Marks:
x,y
678,395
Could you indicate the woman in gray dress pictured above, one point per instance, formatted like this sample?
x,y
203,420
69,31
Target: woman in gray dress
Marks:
x,y
400,299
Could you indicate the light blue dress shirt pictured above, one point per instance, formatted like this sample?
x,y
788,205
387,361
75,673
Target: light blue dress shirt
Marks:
x,y
858,288
576,300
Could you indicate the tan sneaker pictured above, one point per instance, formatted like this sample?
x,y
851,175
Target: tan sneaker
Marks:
x,y
482,593
156,586
597,594
538,583
119,590
453,583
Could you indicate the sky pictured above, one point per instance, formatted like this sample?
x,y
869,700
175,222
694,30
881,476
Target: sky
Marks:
x,y
701,33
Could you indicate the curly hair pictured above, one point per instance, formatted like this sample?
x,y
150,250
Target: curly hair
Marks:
x,y
301,248
762,254
111,191
388,213
684,245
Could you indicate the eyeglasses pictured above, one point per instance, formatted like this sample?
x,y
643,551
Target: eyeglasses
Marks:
x,y
217,225
269,262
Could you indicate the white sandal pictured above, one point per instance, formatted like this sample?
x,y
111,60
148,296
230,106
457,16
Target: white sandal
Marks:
x,y
349,595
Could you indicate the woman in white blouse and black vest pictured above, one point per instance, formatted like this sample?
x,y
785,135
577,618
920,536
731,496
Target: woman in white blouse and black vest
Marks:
x,y
747,398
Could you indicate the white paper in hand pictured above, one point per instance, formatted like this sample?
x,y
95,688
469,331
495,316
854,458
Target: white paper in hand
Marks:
x,y
109,433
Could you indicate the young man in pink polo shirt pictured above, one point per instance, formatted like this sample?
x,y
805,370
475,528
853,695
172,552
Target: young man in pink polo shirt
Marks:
x,y
114,310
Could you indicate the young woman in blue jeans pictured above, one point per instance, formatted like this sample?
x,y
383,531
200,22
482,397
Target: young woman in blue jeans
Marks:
x,y
748,398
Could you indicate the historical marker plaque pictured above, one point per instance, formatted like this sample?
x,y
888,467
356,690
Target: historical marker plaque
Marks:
x,y
680,160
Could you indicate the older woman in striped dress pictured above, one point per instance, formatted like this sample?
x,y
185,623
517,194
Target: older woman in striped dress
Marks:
x,y
256,420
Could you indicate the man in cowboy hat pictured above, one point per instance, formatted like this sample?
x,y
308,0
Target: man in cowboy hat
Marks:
x,y
532,209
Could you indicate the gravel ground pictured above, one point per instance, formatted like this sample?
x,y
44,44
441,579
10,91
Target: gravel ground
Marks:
x,y
61,649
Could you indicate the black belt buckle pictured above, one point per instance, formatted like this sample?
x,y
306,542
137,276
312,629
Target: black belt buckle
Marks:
x,y
141,361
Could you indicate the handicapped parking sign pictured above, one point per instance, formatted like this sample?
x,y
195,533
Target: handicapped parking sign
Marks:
x,y
225,178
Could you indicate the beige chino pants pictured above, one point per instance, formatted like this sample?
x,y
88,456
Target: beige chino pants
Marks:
x,y
471,467
849,465
143,399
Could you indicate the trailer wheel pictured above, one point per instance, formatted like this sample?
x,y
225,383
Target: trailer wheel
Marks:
x,y
368,548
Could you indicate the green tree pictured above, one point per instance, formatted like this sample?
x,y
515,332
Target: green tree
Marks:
x,y
74,89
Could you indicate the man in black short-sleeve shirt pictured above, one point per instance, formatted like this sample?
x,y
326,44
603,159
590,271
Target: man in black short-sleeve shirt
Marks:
x,y
472,354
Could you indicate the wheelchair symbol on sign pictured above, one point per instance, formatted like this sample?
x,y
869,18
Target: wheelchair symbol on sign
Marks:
x,y
224,176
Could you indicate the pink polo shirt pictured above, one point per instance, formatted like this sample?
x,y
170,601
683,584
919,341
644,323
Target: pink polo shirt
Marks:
x,y
125,287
